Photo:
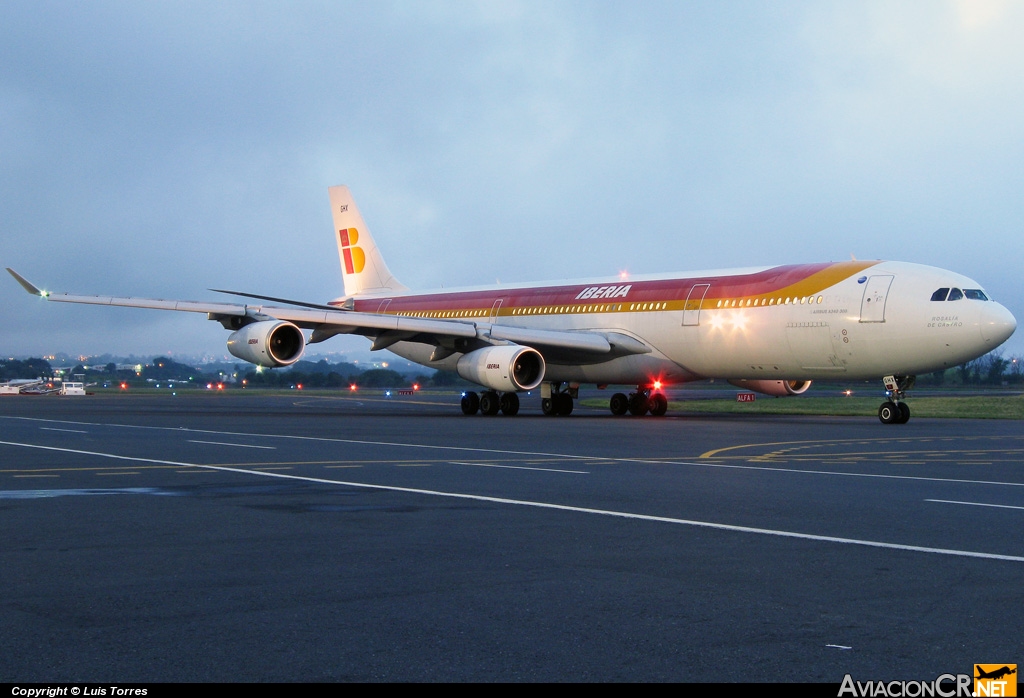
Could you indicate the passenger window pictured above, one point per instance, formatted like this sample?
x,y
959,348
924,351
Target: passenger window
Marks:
x,y
940,295
955,295
975,294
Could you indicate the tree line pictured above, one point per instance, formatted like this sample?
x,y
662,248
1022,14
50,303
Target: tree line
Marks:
x,y
991,369
319,374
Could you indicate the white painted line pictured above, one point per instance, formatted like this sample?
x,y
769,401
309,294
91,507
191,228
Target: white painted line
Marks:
x,y
70,431
882,476
543,454
974,504
548,505
222,443
839,647
324,439
520,467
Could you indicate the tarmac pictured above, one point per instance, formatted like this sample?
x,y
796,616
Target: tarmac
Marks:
x,y
299,537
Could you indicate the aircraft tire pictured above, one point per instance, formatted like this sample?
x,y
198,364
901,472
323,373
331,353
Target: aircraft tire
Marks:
x,y
904,413
489,403
564,404
509,404
619,404
888,412
470,403
658,404
547,406
638,404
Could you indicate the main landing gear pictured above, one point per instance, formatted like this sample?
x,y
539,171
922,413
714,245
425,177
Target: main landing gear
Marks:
x,y
490,403
641,402
895,410
559,401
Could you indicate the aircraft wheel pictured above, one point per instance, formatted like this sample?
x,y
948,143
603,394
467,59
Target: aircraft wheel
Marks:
x,y
547,406
489,403
470,403
904,413
888,412
509,404
638,404
619,404
564,404
658,404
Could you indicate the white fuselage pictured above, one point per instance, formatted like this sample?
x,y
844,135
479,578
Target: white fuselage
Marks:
x,y
877,320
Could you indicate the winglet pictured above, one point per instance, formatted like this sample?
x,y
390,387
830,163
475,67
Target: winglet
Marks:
x,y
26,284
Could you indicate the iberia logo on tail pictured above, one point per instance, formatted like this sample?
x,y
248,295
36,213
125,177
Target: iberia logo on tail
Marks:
x,y
355,258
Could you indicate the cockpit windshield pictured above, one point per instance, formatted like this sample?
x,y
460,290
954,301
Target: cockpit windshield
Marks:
x,y
955,294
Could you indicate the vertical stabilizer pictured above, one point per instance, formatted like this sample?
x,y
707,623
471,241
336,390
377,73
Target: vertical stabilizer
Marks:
x,y
362,266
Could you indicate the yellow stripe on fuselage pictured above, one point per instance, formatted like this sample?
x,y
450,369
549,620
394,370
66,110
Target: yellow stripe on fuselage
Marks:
x,y
806,290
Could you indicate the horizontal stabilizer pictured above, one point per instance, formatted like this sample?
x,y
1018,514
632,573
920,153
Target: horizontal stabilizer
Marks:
x,y
274,299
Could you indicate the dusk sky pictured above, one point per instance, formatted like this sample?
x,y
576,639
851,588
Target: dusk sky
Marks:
x,y
162,149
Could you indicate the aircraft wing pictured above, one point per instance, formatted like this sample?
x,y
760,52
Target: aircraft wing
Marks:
x,y
386,329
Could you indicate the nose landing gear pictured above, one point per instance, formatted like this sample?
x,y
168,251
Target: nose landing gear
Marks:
x,y
895,410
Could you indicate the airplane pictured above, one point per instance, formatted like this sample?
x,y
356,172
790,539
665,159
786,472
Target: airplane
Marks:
x,y
994,674
771,330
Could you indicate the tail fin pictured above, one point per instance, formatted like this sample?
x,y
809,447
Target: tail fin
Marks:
x,y
362,267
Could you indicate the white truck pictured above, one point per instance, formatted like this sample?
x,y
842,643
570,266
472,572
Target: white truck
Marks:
x,y
72,389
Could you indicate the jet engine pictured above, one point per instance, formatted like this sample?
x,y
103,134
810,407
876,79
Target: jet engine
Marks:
x,y
507,368
776,388
269,343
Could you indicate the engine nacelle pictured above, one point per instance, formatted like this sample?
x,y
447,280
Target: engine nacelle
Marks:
x,y
269,343
509,367
776,388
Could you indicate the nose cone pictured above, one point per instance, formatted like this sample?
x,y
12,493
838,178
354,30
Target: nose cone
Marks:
x,y
997,324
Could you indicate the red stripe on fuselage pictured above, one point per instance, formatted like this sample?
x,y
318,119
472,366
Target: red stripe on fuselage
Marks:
x,y
769,281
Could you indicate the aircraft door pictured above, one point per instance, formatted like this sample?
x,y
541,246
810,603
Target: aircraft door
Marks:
x,y
384,305
694,299
494,310
872,306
